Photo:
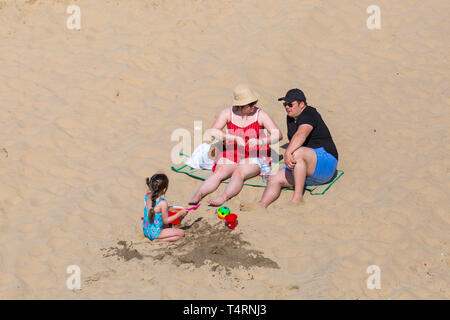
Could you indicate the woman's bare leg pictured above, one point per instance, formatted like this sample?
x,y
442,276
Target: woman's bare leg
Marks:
x,y
222,172
244,171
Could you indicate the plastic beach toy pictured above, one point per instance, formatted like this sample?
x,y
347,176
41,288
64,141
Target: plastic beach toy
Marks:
x,y
223,211
194,207
172,211
231,220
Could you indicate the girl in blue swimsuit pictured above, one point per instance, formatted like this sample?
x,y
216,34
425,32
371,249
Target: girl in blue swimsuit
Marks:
x,y
156,215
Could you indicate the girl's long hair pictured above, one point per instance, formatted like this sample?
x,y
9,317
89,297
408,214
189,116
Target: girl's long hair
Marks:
x,y
156,184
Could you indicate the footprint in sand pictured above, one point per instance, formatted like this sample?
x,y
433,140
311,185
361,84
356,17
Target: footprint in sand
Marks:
x,y
5,152
257,206
251,207
297,203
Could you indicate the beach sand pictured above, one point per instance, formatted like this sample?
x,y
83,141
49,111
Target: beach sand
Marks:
x,y
86,115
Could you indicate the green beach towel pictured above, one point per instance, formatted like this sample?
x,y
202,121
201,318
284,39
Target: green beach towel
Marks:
x,y
252,182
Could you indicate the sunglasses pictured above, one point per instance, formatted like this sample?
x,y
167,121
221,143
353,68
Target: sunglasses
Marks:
x,y
249,105
287,104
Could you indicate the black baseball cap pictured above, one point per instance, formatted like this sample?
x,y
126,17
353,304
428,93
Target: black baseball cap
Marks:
x,y
293,95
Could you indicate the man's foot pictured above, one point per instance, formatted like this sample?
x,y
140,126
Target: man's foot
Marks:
x,y
217,202
251,206
297,201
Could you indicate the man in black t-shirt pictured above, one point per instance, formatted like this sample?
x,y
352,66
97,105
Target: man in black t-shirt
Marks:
x,y
311,157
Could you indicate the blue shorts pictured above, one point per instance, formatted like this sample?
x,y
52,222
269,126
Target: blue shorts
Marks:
x,y
325,168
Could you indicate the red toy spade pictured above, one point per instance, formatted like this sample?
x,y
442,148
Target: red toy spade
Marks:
x,y
194,207
174,210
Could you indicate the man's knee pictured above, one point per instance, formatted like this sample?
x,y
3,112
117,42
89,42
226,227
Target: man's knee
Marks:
x,y
301,153
274,179
305,156
308,161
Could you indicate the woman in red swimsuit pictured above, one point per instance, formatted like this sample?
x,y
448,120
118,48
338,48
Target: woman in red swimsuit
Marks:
x,y
246,145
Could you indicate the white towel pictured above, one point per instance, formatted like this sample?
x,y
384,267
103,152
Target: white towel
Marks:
x,y
199,158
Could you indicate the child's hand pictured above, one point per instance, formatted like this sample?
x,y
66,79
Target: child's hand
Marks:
x,y
183,212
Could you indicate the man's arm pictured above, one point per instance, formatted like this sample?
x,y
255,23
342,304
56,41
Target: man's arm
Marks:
x,y
299,137
297,141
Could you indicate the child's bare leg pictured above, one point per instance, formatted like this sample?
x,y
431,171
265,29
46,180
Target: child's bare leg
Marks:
x,y
169,239
222,172
170,234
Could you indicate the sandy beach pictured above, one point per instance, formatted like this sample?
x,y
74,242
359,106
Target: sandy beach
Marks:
x,y
86,115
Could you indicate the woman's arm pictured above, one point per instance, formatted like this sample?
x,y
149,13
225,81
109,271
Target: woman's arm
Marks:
x,y
216,129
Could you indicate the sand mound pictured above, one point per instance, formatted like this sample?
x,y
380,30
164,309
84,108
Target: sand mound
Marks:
x,y
205,244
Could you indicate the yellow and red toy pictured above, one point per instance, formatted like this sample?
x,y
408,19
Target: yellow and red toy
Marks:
x,y
222,212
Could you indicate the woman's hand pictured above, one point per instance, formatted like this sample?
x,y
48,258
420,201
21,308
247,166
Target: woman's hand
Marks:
x,y
240,141
253,142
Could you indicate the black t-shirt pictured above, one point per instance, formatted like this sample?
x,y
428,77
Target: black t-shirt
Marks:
x,y
320,135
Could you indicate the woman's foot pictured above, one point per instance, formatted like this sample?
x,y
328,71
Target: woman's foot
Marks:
x,y
195,199
217,202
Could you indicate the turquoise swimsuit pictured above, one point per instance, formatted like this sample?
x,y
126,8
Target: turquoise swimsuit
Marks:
x,y
152,230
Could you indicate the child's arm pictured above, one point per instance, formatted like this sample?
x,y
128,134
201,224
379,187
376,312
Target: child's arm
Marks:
x,y
165,213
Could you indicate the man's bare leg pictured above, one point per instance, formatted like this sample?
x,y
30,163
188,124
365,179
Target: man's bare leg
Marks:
x,y
222,172
251,206
278,180
305,166
299,180
283,178
243,172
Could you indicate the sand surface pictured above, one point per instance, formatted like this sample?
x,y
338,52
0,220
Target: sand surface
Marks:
x,y
87,115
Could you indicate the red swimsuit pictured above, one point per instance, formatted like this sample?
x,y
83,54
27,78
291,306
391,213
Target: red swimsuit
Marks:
x,y
235,153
